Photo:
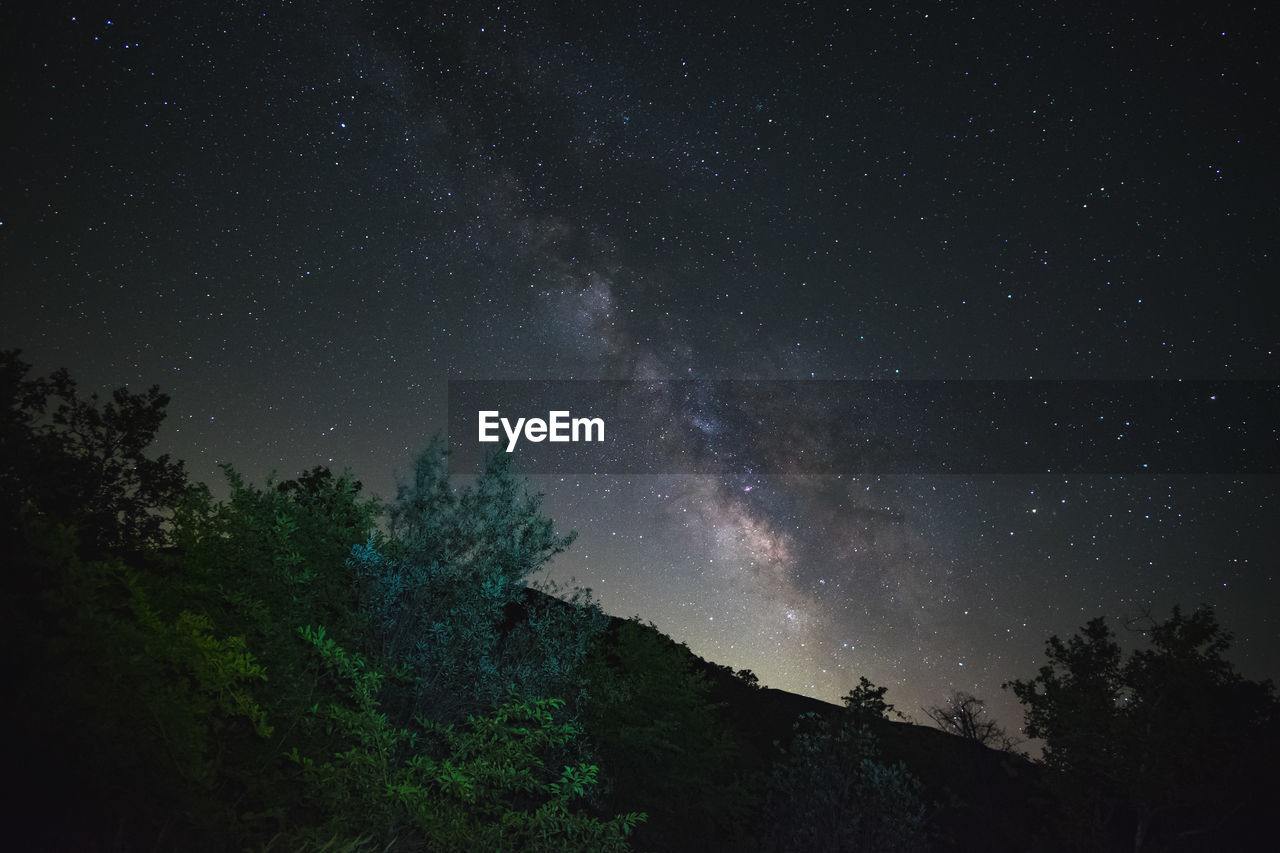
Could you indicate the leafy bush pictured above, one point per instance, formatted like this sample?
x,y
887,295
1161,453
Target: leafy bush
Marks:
x,y
831,792
149,699
665,744
481,785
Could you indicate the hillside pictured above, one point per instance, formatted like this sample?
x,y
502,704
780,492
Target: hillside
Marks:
x,y
981,798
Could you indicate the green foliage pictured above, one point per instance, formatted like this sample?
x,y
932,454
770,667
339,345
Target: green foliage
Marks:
x,y
145,652
831,792
150,696
145,619
481,785
665,744
448,595
266,560
259,564
493,527
287,543
362,844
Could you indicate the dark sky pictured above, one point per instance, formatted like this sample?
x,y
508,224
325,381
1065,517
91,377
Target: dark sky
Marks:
x,y
302,220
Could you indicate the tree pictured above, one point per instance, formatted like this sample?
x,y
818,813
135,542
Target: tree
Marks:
x,y
1165,744
84,461
134,709
867,702
448,594
162,688
965,715
831,792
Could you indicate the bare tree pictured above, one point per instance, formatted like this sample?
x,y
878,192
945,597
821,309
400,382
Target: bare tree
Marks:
x,y
965,715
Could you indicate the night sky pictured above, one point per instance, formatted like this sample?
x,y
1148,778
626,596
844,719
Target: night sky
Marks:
x,y
302,220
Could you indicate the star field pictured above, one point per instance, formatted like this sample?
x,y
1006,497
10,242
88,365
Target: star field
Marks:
x,y
304,221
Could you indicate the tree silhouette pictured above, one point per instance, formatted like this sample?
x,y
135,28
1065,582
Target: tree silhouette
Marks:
x,y
1168,744
82,460
965,715
866,702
